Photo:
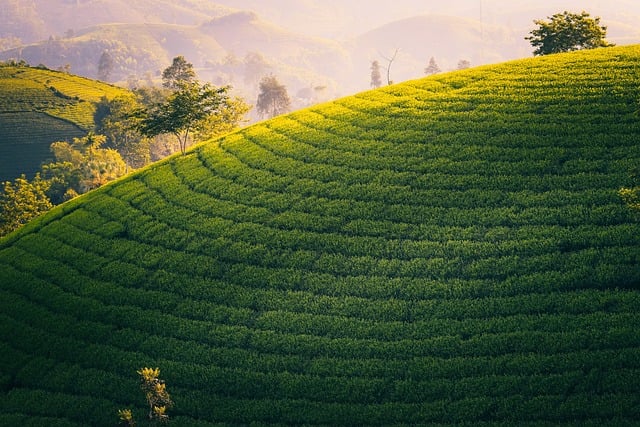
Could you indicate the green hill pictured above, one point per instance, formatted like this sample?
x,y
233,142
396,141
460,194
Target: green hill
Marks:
x,y
449,250
38,107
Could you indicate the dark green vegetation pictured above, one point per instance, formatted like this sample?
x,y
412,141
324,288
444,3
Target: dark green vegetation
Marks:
x,y
448,250
566,32
39,107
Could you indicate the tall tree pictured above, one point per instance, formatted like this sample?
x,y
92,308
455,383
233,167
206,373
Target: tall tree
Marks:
x,y
178,73
432,68
105,66
184,111
273,98
566,32
21,201
376,77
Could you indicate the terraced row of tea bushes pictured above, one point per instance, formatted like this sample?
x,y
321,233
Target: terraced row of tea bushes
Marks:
x,y
30,134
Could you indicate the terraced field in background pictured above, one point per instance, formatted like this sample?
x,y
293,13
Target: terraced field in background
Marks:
x,y
449,250
39,107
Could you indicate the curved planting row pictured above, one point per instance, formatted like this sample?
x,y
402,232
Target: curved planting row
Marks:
x,y
449,250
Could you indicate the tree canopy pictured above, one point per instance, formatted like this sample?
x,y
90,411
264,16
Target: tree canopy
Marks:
x,y
273,99
119,126
21,201
566,32
432,67
183,112
178,73
90,165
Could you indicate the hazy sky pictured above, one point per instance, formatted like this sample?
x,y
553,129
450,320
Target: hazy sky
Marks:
x,y
348,18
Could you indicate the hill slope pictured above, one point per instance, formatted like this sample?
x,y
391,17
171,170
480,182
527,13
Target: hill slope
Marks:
x,y
39,107
448,250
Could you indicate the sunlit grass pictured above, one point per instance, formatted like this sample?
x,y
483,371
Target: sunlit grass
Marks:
x,y
447,250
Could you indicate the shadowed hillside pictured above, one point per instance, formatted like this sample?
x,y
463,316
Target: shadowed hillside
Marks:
x,y
450,250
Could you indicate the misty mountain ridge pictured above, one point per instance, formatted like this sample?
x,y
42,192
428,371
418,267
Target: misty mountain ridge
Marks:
x,y
228,45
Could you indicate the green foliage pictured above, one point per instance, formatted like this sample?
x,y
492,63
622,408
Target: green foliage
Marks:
x,y
230,115
119,125
566,32
178,74
83,164
38,107
185,111
21,201
631,197
157,396
273,98
451,250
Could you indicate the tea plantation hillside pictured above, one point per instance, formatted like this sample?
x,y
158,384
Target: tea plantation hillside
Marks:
x,y
444,251
38,107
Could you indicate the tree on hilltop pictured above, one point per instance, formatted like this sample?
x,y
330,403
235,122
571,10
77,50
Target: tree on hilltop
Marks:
x,y
463,64
179,72
273,99
432,68
191,109
566,32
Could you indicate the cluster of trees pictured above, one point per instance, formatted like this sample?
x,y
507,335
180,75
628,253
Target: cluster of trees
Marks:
x,y
131,131
566,31
77,167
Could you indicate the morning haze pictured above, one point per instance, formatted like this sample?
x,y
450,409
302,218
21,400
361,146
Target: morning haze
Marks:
x,y
308,44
